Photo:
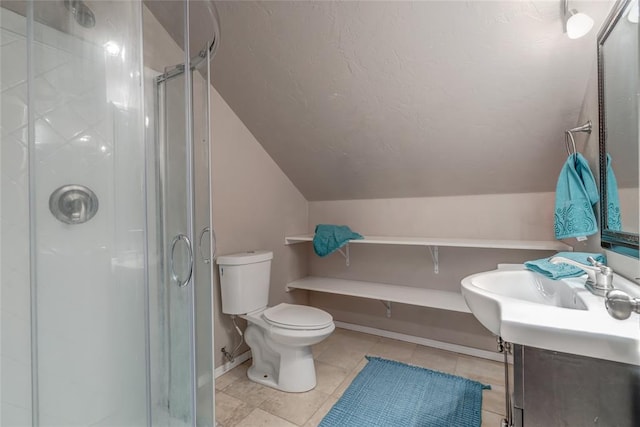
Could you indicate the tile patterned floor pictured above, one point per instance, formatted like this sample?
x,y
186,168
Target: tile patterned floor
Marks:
x,y
339,358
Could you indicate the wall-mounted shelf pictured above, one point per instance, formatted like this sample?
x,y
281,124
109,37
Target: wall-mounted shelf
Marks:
x,y
433,243
547,245
385,293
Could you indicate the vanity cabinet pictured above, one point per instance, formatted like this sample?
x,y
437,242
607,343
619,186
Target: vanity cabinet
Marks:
x,y
553,389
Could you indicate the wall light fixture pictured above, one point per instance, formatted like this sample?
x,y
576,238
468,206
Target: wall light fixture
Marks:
x,y
576,24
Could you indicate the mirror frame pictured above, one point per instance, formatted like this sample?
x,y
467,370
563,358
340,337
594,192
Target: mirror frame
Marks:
x,y
617,241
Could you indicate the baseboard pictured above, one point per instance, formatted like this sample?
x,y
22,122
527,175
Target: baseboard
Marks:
x,y
456,348
469,351
221,370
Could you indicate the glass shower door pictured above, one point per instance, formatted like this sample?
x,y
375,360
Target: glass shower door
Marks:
x,y
176,244
205,243
89,299
182,385
99,279
72,134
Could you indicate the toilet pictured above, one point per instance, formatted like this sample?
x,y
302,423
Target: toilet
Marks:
x,y
280,337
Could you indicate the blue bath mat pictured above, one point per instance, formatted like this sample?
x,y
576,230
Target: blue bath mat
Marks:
x,y
393,394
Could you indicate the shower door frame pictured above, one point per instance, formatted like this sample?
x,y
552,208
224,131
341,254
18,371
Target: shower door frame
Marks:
x,y
164,239
161,149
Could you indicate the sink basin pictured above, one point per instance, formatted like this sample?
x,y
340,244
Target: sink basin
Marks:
x,y
486,292
526,285
527,308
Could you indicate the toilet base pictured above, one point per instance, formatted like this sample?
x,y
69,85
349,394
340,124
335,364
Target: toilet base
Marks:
x,y
276,365
291,380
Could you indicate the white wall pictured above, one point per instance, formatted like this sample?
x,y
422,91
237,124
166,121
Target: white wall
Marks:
x,y
507,216
254,207
387,99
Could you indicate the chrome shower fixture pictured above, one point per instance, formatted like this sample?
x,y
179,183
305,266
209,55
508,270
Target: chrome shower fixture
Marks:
x,y
81,12
73,204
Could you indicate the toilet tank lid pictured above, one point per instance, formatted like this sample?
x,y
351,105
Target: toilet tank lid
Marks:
x,y
249,257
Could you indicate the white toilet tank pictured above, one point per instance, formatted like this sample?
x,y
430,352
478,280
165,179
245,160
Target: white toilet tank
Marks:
x,y
244,281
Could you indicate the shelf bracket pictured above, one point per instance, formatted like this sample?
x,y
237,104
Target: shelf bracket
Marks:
x,y
345,253
387,304
434,257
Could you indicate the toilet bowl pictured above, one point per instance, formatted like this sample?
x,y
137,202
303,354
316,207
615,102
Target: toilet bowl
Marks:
x,y
280,337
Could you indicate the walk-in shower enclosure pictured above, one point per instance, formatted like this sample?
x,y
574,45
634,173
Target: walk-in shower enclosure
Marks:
x,y
105,297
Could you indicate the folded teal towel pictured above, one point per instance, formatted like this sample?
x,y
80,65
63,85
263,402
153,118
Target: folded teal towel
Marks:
x,y
576,193
562,270
329,238
614,221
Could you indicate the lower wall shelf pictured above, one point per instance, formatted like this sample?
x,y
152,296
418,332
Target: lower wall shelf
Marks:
x,y
444,300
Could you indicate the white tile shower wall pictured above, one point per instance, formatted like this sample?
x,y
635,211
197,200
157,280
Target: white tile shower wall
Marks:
x,y
90,287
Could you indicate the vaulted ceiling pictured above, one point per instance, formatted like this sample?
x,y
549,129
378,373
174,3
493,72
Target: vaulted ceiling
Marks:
x,y
371,99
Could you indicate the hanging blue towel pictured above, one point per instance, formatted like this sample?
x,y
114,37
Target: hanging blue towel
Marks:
x,y
560,271
576,193
614,220
330,238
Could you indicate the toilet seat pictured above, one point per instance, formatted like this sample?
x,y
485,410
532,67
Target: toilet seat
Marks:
x,y
299,317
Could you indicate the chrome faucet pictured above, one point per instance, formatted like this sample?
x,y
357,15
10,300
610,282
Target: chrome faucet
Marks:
x,y
600,277
620,305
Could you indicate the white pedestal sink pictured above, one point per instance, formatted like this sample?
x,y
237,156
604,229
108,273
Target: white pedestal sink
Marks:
x,y
527,308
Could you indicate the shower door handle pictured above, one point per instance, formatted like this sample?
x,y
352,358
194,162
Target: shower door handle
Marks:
x,y
213,244
174,242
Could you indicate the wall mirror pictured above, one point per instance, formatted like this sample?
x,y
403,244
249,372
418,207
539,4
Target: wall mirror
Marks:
x,y
618,113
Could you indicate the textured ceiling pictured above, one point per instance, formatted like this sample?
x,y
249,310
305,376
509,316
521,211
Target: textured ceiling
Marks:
x,y
357,100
